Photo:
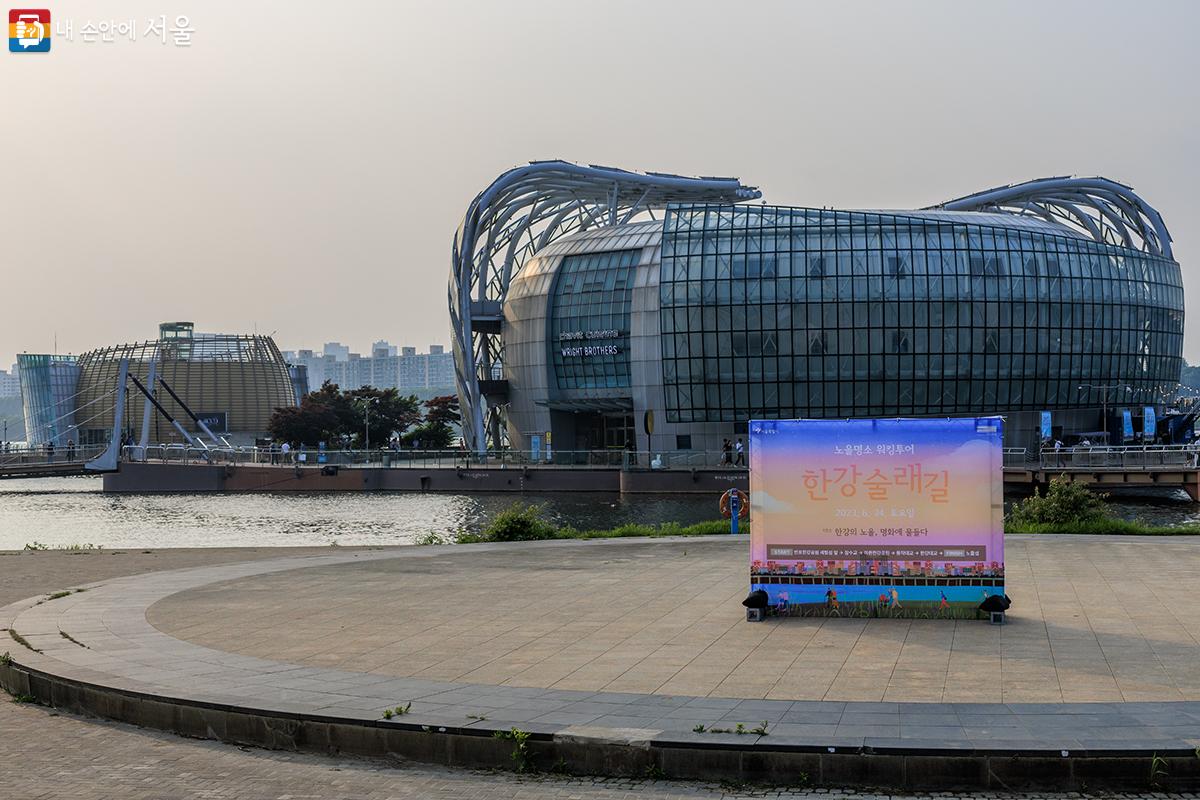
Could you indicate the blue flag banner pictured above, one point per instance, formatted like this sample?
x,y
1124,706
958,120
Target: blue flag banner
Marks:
x,y
1126,424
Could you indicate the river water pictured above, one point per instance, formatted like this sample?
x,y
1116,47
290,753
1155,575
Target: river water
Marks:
x,y
63,511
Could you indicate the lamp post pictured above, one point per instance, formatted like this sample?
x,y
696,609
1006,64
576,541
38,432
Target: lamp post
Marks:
x,y
367,401
1104,401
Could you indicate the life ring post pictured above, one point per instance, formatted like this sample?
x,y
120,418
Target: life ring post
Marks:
x,y
734,505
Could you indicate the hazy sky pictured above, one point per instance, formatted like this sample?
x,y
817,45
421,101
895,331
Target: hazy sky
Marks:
x,y
301,168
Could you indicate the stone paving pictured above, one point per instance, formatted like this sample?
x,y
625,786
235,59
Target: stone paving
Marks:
x,y
48,755
293,610
1093,621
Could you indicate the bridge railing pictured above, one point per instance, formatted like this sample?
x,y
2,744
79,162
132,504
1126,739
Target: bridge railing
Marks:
x,y
426,459
13,455
1149,457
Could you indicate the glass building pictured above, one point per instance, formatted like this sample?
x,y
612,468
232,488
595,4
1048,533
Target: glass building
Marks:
x,y
1056,296
234,382
788,313
48,398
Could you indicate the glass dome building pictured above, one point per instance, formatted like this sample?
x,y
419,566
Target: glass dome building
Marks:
x,y
1059,295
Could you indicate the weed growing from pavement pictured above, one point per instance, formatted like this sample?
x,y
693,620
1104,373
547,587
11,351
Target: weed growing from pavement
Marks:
x,y
73,640
19,639
6,659
398,711
1158,769
520,752
740,730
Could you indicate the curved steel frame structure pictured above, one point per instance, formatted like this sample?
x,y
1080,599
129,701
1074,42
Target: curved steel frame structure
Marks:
x,y
1107,211
522,211
528,207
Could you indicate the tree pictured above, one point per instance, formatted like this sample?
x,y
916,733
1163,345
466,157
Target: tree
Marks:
x,y
443,410
437,431
330,414
390,413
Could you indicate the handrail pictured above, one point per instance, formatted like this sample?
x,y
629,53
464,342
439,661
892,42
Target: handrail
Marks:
x,y
1067,458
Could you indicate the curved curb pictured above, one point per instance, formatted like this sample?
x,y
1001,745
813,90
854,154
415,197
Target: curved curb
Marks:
x,y
133,676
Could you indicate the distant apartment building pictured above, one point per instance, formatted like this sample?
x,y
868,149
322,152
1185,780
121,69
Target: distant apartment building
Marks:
x,y
386,367
10,382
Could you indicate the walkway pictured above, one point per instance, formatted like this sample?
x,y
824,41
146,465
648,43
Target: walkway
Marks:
x,y
316,602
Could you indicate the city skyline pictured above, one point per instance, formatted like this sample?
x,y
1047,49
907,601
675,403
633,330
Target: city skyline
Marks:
x,y
280,193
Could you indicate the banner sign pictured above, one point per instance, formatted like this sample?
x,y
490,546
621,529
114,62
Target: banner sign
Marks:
x,y
1047,427
217,421
888,517
1149,423
1126,424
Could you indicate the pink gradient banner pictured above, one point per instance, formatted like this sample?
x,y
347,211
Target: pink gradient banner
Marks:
x,y
919,499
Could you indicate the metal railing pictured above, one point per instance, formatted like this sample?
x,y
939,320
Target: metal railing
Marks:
x,y
1147,457
24,455
426,459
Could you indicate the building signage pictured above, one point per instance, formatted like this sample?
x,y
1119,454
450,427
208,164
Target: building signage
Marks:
x,y
589,350
888,517
1047,427
217,421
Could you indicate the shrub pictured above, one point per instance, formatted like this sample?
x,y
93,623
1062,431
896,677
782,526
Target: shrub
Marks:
x,y
1064,502
518,524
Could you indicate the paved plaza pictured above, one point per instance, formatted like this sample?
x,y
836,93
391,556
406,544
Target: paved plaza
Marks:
x,y
1093,620
646,637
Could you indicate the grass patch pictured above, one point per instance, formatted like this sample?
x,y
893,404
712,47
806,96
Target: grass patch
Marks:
x,y
21,640
80,547
524,523
1071,508
398,711
1102,527
72,639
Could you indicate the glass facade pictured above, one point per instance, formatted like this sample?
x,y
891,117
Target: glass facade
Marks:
x,y
48,388
241,377
589,320
775,312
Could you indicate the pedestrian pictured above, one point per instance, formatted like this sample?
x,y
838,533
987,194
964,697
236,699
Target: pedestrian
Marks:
x,y
70,449
50,452
285,450
726,452
741,453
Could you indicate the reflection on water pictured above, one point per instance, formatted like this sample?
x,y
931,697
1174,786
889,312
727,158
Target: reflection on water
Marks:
x,y
62,511
59,511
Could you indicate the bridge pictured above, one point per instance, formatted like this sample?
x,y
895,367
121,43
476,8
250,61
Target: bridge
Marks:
x,y
183,468
1167,466
38,462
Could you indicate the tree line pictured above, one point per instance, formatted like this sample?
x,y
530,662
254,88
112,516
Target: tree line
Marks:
x,y
348,417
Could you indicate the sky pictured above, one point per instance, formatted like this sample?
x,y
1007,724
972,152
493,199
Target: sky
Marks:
x,y
301,167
